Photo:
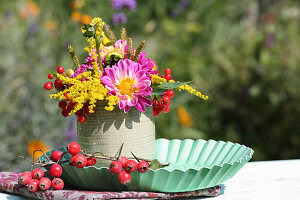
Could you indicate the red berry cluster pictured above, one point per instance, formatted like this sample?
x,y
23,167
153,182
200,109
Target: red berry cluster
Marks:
x,y
167,74
36,180
163,104
123,167
57,83
80,160
66,105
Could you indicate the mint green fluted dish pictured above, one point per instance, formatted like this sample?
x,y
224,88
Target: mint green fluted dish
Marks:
x,y
194,165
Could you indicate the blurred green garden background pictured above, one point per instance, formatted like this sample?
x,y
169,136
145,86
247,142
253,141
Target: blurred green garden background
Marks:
x,y
244,55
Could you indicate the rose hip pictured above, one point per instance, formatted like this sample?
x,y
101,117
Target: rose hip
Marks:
x,y
115,167
24,178
79,161
55,170
57,184
130,166
143,166
45,183
56,155
33,185
37,174
123,161
73,148
124,177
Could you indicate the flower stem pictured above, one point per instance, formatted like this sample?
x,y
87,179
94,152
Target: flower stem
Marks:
x,y
97,49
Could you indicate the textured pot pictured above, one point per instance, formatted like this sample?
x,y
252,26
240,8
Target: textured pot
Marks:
x,y
105,131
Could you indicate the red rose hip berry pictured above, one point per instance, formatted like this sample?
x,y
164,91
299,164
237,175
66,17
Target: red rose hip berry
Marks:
x,y
82,119
143,166
24,178
37,174
48,85
33,185
130,166
45,183
60,69
55,170
79,161
57,184
166,99
62,104
170,93
124,177
115,167
55,156
168,71
74,148
50,76
168,77
90,161
123,161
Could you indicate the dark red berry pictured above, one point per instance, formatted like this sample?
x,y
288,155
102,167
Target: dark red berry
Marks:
x,y
50,76
59,84
130,166
166,99
79,112
123,161
65,113
79,161
82,119
69,108
168,77
74,148
72,103
62,104
57,184
168,110
24,178
45,183
48,85
33,185
60,69
56,155
124,177
37,174
168,71
143,166
115,167
55,170
90,161
170,93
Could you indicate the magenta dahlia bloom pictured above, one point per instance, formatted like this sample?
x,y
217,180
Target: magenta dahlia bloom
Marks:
x,y
147,64
130,83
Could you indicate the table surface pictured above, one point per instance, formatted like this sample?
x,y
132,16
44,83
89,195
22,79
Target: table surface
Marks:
x,y
256,180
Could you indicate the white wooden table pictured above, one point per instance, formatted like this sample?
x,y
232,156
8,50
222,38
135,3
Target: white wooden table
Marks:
x,y
256,180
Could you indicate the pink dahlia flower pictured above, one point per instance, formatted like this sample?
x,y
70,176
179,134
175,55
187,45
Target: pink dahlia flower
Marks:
x,y
130,83
147,64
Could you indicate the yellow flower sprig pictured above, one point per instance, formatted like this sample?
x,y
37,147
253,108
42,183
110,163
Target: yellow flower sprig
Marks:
x,y
157,80
80,92
192,91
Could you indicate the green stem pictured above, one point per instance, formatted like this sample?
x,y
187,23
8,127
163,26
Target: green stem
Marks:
x,y
98,53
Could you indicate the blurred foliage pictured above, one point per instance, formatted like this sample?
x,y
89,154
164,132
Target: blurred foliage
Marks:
x,y
243,54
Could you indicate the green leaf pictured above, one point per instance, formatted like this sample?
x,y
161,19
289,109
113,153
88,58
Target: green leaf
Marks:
x,y
157,91
155,164
172,85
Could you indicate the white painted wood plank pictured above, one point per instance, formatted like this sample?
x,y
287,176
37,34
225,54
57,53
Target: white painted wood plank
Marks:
x,y
264,180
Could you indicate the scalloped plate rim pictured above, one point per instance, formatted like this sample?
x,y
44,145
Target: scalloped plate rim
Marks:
x,y
246,157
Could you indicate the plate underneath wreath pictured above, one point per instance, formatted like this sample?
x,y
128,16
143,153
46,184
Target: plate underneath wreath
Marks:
x,y
194,165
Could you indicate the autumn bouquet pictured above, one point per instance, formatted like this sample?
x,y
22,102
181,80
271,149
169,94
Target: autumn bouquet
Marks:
x,y
115,92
